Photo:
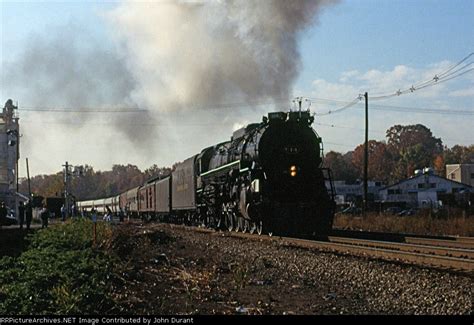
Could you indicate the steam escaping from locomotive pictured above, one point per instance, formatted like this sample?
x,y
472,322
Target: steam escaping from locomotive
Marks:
x,y
175,59
188,54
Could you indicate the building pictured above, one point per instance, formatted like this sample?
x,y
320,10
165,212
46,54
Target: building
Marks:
x,y
422,190
9,154
347,193
463,173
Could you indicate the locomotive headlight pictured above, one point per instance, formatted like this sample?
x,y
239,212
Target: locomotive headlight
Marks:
x,y
293,171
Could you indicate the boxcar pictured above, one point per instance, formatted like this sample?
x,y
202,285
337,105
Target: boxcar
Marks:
x,y
147,198
183,185
163,197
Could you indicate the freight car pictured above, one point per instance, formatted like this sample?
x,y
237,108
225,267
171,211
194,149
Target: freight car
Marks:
x,y
266,178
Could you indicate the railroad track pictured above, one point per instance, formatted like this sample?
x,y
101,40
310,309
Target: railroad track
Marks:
x,y
443,241
452,259
460,242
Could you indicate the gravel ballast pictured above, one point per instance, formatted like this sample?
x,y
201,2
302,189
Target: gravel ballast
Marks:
x,y
180,271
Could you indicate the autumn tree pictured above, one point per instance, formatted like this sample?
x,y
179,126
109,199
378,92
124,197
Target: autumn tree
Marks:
x,y
412,147
459,155
439,165
381,161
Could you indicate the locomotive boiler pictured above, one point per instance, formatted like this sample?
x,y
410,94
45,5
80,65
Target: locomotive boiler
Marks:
x,y
267,178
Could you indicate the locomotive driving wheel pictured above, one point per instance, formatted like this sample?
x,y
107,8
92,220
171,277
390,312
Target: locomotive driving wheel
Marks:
x,y
228,217
244,224
259,227
237,224
252,227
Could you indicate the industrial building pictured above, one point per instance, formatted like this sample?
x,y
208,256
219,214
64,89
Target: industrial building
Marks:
x,y
9,154
422,190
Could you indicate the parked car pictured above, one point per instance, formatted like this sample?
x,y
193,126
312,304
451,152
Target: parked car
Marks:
x,y
393,210
408,212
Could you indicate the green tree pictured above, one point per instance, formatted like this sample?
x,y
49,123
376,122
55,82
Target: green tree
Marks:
x,y
412,147
341,166
459,155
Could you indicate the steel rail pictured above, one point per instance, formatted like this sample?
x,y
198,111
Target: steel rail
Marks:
x,y
406,247
440,242
449,263
444,262
444,241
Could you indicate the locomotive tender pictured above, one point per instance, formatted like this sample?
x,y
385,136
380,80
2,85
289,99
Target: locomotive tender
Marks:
x,y
267,178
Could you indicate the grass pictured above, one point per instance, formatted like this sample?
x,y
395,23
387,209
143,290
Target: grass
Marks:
x,y
422,224
61,272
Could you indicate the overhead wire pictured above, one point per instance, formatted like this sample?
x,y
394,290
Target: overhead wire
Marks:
x,y
455,71
340,109
257,102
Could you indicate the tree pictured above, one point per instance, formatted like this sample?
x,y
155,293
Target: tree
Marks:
x,y
459,155
341,166
381,161
439,165
155,171
413,147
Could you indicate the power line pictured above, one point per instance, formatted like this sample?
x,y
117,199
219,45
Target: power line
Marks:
x,y
85,122
392,108
340,109
348,127
422,110
247,103
455,71
82,110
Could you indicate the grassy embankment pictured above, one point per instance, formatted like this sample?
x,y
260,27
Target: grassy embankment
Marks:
x,y
60,272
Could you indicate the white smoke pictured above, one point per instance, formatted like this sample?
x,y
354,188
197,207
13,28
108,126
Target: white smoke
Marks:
x,y
203,67
204,54
199,68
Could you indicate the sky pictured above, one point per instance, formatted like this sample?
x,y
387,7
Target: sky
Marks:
x,y
145,83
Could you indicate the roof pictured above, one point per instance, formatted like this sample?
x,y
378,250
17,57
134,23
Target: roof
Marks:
x,y
418,176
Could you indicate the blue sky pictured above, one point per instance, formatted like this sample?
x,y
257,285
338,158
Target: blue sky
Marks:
x,y
355,46
380,34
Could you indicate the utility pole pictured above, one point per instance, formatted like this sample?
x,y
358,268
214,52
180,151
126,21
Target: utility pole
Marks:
x,y
66,188
28,175
366,149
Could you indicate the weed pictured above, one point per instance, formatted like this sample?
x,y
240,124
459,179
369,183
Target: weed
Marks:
x,y
60,273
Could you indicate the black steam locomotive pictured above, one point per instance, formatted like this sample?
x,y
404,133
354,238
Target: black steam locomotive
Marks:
x,y
267,179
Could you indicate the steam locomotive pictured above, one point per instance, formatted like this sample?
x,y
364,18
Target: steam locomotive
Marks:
x,y
267,179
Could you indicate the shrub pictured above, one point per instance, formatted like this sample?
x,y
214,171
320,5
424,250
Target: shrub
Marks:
x,y
60,273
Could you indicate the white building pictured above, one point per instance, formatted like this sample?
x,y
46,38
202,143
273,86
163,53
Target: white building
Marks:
x,y
346,193
421,190
463,173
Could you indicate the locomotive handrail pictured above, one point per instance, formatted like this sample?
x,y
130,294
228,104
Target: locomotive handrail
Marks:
x,y
220,168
